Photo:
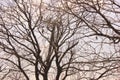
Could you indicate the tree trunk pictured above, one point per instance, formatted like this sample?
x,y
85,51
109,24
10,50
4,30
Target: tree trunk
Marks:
x,y
45,77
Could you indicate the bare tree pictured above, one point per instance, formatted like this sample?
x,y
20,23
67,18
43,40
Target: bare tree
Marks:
x,y
101,21
59,40
25,28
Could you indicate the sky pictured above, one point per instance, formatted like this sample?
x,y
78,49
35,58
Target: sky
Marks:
x,y
8,2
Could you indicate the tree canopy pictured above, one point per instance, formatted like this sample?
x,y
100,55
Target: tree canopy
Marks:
x,y
59,40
